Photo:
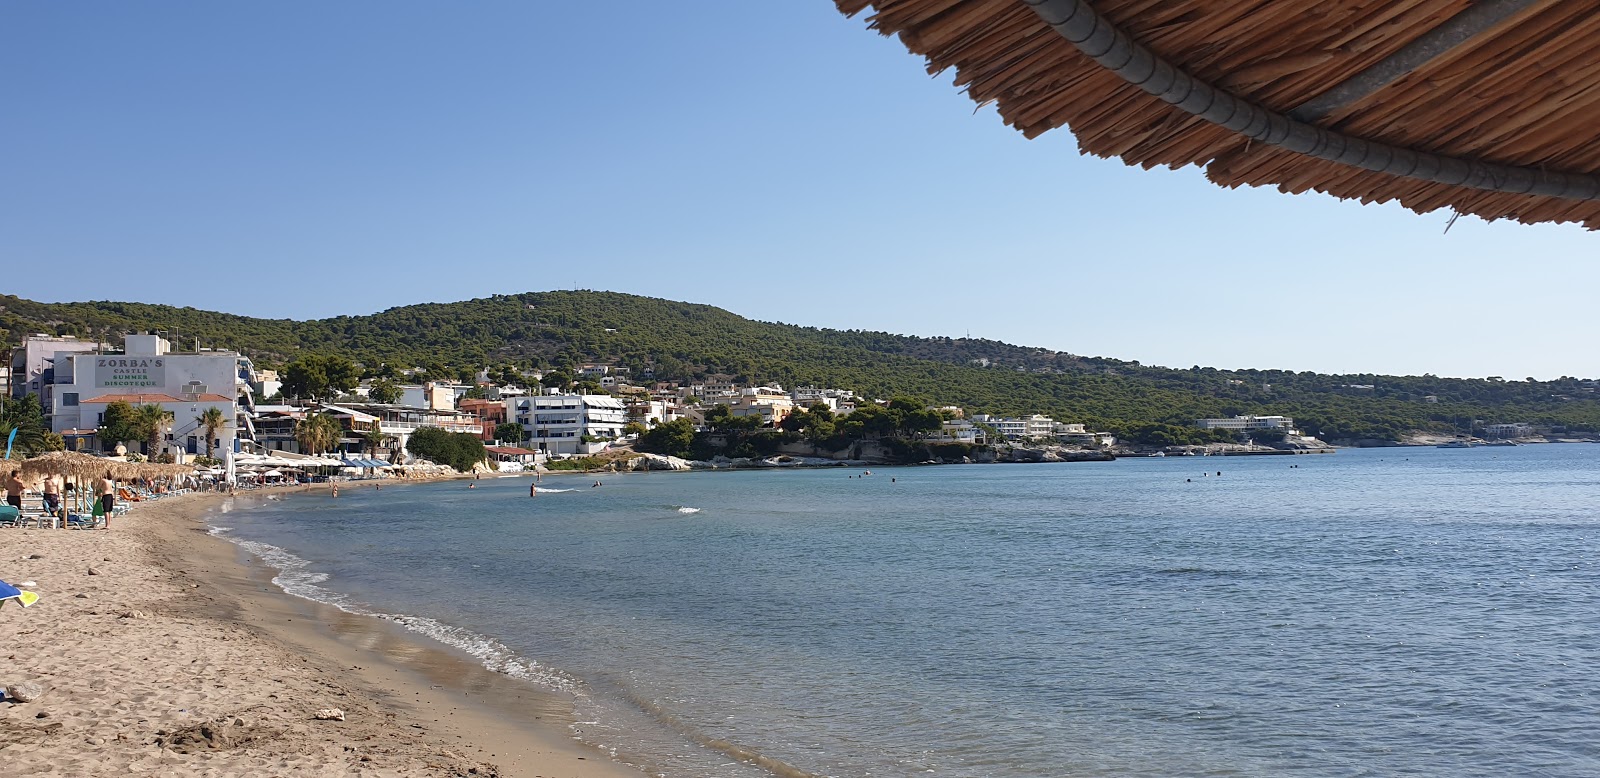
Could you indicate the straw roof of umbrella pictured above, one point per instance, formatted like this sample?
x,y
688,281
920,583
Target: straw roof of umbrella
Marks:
x,y
76,465
1488,107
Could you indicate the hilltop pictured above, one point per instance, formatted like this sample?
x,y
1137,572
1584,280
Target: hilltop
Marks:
x,y
687,341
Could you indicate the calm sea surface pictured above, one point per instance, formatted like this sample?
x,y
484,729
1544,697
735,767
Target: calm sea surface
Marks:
x,y
1373,612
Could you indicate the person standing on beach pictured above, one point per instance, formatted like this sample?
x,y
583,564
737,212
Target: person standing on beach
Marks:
x,y
52,496
105,490
13,490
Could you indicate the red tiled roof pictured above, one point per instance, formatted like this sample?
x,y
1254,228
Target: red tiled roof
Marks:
x,y
147,399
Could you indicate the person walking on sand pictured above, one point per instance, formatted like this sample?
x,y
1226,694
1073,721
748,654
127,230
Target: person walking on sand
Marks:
x,y
105,490
52,497
13,490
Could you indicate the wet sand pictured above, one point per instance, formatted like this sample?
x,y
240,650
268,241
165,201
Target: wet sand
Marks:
x,y
178,657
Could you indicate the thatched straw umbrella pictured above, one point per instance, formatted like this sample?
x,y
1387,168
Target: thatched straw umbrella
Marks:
x,y
83,469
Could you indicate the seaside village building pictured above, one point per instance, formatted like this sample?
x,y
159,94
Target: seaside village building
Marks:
x,y
149,372
1248,424
275,426
31,367
1516,430
771,403
568,424
1033,427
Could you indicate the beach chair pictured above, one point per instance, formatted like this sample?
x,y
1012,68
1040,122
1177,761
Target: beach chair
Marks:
x,y
10,516
80,521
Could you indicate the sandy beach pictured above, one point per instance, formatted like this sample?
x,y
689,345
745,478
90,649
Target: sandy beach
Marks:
x,y
163,650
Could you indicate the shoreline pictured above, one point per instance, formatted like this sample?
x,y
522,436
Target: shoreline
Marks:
x,y
181,656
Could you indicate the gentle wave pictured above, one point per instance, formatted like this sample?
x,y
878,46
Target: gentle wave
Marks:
x,y
683,509
294,577
553,490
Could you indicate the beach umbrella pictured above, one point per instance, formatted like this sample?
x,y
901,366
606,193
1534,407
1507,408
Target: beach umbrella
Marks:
x,y
273,473
9,592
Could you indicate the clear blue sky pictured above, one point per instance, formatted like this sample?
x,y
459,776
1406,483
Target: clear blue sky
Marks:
x,y
301,160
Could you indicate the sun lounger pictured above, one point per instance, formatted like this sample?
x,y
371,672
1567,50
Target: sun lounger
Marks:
x,y
82,521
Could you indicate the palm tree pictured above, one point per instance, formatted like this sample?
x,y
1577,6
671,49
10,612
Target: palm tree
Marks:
x,y
211,421
318,432
152,421
22,415
375,439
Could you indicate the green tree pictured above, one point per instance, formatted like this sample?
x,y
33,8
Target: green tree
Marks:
x,y
151,423
719,417
117,425
673,439
384,391
634,428
508,432
319,375
211,420
460,450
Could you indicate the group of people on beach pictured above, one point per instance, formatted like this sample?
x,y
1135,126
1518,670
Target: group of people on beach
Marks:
x,y
51,491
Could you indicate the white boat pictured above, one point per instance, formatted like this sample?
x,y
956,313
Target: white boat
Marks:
x,y
1455,444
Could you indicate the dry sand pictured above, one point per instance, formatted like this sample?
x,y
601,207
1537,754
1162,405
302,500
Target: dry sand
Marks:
x,y
166,651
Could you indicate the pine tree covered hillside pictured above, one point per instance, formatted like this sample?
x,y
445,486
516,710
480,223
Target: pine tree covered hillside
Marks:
x,y
688,342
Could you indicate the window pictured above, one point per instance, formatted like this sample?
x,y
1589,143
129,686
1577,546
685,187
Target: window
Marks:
x,y
69,399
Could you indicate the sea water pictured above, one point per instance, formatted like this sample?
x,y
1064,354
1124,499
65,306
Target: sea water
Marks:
x,y
1373,612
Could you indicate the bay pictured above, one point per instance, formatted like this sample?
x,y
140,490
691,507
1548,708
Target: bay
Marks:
x,y
1371,612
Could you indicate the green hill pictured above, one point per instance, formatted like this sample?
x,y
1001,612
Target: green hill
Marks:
x,y
685,341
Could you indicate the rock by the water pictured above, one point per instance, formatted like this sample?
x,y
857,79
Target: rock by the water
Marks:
x,y
329,714
93,571
659,462
26,691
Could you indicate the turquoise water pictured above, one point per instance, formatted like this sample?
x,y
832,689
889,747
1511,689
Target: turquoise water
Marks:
x,y
1373,612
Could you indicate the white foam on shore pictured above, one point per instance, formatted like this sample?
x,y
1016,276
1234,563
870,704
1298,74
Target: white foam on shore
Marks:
x,y
294,577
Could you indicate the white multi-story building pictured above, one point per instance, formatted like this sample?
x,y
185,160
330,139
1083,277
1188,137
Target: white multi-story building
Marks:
x,y
1248,423
709,394
568,423
32,366
958,431
1517,430
1021,428
653,412
149,372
